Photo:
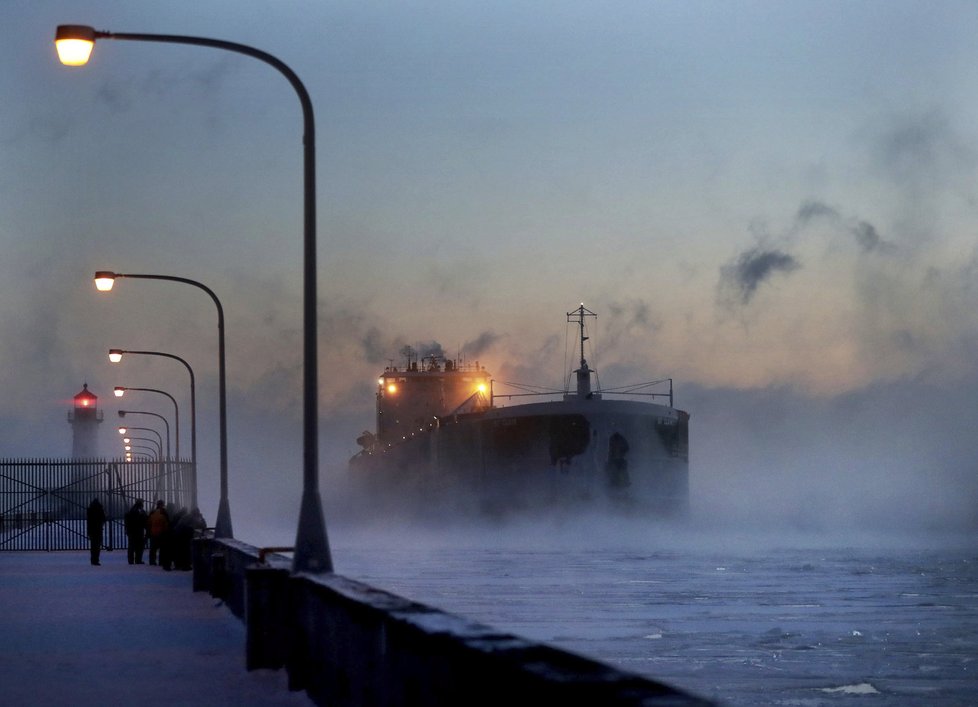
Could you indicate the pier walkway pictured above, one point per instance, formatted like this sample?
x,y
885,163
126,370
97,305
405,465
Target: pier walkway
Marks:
x,y
74,634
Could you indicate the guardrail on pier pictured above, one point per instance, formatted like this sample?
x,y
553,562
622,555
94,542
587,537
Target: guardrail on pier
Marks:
x,y
346,643
43,501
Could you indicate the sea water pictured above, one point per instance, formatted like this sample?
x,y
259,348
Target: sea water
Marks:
x,y
740,618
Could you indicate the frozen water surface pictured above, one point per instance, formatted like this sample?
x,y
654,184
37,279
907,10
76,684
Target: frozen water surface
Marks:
x,y
789,622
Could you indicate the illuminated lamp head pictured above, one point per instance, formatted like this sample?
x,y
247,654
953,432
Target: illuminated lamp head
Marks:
x,y
104,279
74,44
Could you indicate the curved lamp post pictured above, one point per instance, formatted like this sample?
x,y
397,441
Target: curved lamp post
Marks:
x,y
132,447
115,356
123,430
75,44
120,390
165,464
156,447
166,423
104,280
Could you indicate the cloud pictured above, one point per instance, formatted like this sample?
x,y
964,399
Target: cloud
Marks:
x,y
867,237
752,268
481,344
922,152
198,79
925,167
428,349
864,233
627,323
375,349
633,313
815,209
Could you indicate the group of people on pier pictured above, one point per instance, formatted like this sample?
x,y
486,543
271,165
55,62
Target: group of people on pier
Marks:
x,y
168,530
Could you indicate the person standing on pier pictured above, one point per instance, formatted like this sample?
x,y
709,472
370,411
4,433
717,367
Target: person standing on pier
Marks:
x,y
136,520
159,525
95,518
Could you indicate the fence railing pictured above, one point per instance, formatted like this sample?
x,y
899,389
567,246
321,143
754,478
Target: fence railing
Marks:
x,y
43,502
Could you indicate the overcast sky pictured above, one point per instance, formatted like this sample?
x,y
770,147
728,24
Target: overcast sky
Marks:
x,y
774,203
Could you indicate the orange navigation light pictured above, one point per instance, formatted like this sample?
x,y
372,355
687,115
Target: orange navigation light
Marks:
x,y
391,388
104,280
74,44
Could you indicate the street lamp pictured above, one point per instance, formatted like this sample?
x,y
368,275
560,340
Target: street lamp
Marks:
x,y
74,44
115,356
166,424
132,447
120,390
104,280
156,446
124,430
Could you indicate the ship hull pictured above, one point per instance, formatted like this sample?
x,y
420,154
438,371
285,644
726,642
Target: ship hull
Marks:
x,y
631,455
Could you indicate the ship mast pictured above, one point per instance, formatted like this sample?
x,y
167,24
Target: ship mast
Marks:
x,y
583,373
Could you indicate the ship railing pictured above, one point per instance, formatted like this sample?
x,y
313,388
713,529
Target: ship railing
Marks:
x,y
636,389
530,389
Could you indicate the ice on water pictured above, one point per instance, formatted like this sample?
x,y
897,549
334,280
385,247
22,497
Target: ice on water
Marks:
x,y
743,620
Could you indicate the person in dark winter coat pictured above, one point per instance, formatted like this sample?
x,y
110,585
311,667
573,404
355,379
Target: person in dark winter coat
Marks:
x,y
136,521
159,526
95,518
183,537
168,548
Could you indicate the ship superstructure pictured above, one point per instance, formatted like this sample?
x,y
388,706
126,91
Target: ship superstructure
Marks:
x,y
440,433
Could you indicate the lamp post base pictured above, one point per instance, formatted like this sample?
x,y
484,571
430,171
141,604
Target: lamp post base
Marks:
x,y
222,529
311,546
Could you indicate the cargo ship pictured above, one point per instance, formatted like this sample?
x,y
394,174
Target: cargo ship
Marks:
x,y
443,436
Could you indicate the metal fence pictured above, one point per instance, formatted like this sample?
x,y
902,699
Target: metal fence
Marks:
x,y
43,501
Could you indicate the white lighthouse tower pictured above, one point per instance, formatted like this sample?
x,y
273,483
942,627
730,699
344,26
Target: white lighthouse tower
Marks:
x,y
84,420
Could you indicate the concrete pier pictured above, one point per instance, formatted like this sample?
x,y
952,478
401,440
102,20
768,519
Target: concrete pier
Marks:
x,y
74,634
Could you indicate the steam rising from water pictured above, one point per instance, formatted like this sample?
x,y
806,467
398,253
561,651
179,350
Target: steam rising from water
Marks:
x,y
768,469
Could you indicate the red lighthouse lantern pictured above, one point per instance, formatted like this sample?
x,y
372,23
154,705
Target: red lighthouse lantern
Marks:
x,y
84,420
86,399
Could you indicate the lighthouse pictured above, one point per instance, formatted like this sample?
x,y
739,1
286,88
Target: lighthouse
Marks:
x,y
84,420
